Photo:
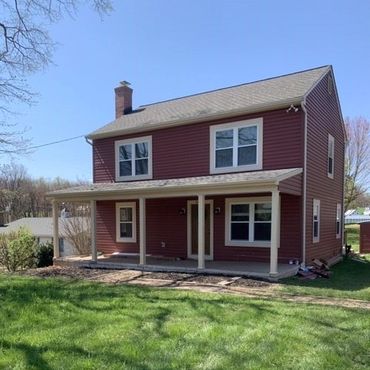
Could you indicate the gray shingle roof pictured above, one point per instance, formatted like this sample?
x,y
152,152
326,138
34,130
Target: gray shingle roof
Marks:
x,y
249,97
187,183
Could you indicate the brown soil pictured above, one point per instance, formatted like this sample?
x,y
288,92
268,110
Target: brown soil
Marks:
x,y
204,283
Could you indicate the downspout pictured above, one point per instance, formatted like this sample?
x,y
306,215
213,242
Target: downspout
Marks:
x,y
303,105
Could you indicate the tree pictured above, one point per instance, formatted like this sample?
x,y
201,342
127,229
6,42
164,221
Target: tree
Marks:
x,y
357,161
77,229
23,196
25,48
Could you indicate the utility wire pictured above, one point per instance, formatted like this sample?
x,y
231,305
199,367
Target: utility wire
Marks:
x,y
55,142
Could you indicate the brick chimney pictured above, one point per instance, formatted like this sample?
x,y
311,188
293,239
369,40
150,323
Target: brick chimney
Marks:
x,y
123,99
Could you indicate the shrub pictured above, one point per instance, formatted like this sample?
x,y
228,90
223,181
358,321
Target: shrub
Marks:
x,y
44,254
17,250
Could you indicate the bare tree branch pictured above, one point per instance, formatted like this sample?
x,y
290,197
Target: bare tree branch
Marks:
x,y
26,47
357,163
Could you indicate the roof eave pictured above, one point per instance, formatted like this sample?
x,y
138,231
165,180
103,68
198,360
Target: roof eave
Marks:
x,y
174,189
179,122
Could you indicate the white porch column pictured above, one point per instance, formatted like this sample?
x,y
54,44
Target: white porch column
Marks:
x,y
275,231
55,229
201,227
94,252
142,226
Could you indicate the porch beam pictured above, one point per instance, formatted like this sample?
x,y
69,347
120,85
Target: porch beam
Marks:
x,y
55,210
275,231
142,226
201,228
94,252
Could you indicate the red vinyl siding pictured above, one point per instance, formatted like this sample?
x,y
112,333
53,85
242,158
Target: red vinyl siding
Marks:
x,y
183,151
292,185
323,119
166,224
365,237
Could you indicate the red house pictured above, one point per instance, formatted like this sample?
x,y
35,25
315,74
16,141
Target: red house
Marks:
x,y
250,173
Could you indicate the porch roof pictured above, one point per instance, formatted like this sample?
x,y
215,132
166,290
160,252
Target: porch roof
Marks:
x,y
257,181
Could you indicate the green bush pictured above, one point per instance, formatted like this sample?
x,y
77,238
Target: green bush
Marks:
x,y
44,254
17,250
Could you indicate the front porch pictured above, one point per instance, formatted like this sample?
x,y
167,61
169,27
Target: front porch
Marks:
x,y
237,229
259,270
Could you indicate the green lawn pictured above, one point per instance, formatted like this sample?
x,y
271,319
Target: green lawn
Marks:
x,y
353,234
65,324
349,279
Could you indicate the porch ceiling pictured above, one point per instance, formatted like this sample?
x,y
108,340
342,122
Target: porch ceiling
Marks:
x,y
257,181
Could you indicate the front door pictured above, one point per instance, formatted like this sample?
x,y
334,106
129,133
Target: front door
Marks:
x,y
193,229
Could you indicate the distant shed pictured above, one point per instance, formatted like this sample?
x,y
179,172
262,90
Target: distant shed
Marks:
x,y
365,237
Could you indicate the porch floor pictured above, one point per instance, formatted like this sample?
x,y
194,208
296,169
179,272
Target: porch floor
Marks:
x,y
231,268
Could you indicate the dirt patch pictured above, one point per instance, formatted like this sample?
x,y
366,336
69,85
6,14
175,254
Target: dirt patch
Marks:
x,y
201,283
251,283
169,276
207,279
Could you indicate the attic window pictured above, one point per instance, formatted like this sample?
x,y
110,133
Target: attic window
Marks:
x,y
330,85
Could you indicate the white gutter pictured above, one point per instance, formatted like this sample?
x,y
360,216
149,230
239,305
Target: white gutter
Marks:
x,y
304,210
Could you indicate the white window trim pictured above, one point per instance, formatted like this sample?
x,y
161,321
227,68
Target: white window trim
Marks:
x,y
243,243
131,205
330,141
236,125
316,204
135,140
338,218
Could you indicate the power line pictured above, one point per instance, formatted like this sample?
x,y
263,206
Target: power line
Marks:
x,y
55,142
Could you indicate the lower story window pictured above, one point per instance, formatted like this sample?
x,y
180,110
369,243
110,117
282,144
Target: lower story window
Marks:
x,y
338,223
316,221
126,222
248,221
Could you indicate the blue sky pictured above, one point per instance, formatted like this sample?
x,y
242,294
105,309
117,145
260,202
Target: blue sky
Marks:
x,y
169,48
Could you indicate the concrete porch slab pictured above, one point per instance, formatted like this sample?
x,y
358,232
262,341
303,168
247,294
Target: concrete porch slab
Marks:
x,y
259,270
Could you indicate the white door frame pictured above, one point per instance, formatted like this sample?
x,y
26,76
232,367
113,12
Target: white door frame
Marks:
x,y
195,256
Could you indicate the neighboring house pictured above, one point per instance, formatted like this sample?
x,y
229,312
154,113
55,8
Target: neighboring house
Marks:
x,y
350,212
42,229
367,211
261,164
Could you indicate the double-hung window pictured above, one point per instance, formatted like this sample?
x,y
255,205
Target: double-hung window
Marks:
x,y
248,222
126,222
331,148
316,221
338,221
134,159
236,146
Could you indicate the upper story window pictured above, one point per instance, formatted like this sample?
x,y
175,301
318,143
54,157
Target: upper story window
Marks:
x,y
236,146
134,159
330,156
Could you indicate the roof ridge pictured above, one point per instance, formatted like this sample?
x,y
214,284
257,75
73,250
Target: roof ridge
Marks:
x,y
233,86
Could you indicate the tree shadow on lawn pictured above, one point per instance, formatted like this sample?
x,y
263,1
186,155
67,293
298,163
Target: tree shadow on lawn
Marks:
x,y
79,296
348,275
34,355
